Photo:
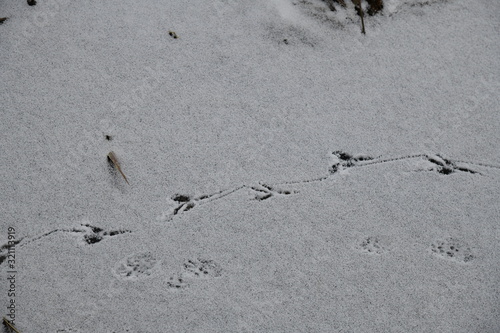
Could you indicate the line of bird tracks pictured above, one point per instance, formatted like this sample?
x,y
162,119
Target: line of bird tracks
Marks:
x,y
340,162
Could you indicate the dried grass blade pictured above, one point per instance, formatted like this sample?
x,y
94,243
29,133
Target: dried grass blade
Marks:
x,y
114,160
9,325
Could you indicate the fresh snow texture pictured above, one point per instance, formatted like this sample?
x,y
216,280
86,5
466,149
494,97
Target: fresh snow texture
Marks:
x,y
287,173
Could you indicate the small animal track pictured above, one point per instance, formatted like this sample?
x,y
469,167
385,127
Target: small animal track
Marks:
x,y
445,166
95,234
438,163
452,249
202,268
340,161
184,202
91,235
192,270
372,245
136,266
177,282
264,192
4,249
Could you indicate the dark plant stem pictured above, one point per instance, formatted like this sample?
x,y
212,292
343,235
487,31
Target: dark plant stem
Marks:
x,y
362,15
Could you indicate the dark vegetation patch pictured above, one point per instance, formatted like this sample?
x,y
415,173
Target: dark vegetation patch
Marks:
x,y
374,6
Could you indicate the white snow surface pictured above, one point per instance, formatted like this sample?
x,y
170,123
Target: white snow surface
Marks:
x,y
287,173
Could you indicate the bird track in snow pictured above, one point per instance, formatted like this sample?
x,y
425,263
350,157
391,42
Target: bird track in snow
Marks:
x,y
90,235
340,161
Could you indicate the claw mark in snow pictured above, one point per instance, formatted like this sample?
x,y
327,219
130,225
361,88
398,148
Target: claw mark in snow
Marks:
x,y
184,202
4,249
446,166
343,160
340,161
91,235
264,191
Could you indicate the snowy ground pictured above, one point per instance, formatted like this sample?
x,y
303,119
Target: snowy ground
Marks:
x,y
287,173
